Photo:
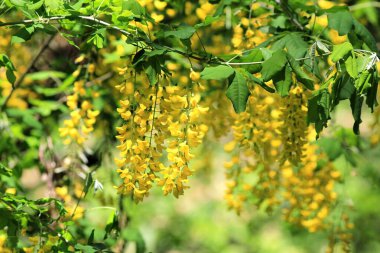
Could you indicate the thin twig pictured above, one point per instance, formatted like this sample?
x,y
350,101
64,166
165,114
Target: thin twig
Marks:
x,y
261,62
200,41
100,79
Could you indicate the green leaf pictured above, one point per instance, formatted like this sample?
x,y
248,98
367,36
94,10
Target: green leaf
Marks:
x,y
364,81
156,52
273,65
112,224
325,102
266,53
123,17
279,22
254,55
151,74
88,183
356,103
6,62
283,81
91,237
351,66
36,5
343,88
372,92
220,72
341,21
256,80
5,171
18,3
53,6
363,62
134,6
85,248
339,51
98,38
321,46
183,32
44,75
301,75
319,109
45,107
208,21
294,43
10,76
22,35
362,32
30,120
238,92
138,57
47,91
60,207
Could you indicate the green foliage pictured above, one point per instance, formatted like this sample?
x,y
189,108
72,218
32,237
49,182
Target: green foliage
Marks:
x,y
273,65
341,21
10,69
217,73
319,109
341,50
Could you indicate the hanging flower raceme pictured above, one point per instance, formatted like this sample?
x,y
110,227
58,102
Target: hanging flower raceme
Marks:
x,y
275,163
294,129
309,189
252,173
161,125
83,116
308,186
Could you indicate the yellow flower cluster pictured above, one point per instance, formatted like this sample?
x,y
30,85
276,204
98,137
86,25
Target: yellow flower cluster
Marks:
x,y
41,245
217,102
309,190
308,187
158,9
294,128
35,244
3,248
247,34
161,124
273,161
252,172
343,233
205,8
82,116
70,203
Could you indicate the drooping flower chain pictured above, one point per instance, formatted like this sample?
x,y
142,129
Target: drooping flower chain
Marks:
x,y
161,124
